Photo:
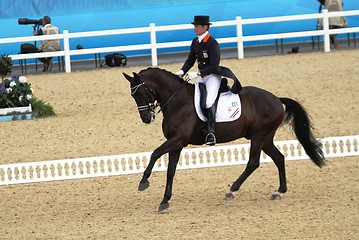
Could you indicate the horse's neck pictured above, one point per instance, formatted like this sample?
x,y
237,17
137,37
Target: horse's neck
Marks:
x,y
165,86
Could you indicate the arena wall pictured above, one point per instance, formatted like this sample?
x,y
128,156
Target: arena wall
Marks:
x,y
76,16
204,157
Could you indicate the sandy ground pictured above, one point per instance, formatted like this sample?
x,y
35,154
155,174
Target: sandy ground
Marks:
x,y
96,116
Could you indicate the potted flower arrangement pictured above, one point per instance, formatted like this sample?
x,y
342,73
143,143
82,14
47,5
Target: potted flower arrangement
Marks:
x,y
16,95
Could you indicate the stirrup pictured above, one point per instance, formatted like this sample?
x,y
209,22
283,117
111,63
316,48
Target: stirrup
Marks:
x,y
210,139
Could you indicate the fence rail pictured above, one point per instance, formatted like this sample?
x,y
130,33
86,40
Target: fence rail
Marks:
x,y
153,45
135,163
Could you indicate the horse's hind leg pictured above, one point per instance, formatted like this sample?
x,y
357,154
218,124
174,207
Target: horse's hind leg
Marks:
x,y
253,164
278,159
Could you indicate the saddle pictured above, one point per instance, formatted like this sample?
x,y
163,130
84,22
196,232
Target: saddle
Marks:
x,y
203,92
230,106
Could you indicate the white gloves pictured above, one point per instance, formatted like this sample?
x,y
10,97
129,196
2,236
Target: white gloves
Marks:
x,y
192,75
180,73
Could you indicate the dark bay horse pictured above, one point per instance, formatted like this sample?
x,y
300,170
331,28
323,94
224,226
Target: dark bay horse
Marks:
x,y
262,114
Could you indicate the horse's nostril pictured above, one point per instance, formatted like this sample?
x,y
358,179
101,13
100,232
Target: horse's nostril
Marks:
x,y
147,120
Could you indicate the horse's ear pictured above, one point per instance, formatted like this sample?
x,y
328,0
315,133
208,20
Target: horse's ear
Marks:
x,y
128,77
135,75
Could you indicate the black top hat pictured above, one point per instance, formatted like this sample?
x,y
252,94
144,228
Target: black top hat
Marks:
x,y
201,20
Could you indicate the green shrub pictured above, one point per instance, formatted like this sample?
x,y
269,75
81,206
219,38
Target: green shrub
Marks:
x,y
41,109
17,92
5,66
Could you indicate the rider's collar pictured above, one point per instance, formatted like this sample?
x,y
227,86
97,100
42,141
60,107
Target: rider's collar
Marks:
x,y
201,37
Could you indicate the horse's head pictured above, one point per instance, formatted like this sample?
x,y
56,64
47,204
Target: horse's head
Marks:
x,y
144,97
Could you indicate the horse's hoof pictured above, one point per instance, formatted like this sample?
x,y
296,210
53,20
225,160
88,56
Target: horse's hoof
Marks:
x,y
229,195
163,207
143,186
276,196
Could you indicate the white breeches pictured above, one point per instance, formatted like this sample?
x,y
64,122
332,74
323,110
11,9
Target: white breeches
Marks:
x,y
212,82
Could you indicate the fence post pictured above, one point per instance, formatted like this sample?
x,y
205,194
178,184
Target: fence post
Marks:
x,y
240,38
153,44
326,31
67,51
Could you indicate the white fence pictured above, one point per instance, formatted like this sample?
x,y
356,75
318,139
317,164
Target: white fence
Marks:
x,y
153,45
135,163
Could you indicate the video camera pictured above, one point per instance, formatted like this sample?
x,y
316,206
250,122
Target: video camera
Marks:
x,y
26,21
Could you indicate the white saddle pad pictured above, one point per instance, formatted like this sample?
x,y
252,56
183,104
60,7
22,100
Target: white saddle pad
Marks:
x,y
228,109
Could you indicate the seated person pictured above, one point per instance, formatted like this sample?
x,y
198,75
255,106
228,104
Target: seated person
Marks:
x,y
48,45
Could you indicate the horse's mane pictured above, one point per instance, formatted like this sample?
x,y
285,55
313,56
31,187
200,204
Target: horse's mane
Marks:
x,y
164,71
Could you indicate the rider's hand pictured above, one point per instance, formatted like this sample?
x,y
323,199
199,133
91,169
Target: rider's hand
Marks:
x,y
180,73
192,75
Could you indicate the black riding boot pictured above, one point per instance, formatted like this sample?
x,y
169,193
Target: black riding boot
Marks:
x,y
211,138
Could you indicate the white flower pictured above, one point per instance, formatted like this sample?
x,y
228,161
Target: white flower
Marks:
x,y
31,89
28,96
20,98
12,83
22,79
8,90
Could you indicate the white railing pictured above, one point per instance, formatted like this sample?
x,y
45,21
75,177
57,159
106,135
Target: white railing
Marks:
x,y
136,163
153,45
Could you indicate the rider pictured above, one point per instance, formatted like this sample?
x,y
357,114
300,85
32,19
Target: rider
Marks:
x,y
206,51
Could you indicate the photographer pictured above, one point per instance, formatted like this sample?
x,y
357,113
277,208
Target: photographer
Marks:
x,y
48,45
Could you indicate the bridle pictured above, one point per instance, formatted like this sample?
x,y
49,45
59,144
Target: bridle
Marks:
x,y
151,106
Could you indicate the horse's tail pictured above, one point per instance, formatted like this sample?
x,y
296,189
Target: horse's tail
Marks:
x,y
296,115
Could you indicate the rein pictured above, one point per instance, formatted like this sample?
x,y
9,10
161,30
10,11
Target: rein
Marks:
x,y
170,98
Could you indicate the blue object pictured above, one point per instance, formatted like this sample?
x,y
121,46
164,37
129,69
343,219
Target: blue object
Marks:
x,y
15,117
82,16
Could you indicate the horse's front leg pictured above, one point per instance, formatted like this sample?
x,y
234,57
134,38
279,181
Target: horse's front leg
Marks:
x,y
144,183
171,170
157,153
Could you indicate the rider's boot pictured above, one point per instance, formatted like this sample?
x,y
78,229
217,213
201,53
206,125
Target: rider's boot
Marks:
x,y
211,138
